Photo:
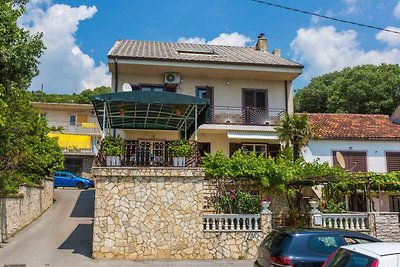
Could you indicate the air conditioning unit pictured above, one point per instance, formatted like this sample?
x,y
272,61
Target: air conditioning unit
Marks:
x,y
93,113
172,78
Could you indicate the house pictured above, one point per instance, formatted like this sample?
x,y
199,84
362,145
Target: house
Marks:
x,y
78,136
366,142
222,97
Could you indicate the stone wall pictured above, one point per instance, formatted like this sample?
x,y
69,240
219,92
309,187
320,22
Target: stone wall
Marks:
x,y
19,211
157,213
385,226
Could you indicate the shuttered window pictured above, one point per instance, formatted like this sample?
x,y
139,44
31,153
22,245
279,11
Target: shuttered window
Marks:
x,y
355,161
393,161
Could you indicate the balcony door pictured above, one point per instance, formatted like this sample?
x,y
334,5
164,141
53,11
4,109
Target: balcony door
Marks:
x,y
254,105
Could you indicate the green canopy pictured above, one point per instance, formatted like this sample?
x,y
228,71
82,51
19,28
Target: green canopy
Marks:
x,y
151,110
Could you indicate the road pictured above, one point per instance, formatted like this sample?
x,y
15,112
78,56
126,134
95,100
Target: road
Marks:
x,y
62,236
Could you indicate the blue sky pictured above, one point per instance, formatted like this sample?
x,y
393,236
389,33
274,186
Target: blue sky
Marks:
x,y
79,34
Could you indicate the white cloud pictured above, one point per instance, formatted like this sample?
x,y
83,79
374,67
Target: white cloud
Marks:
x,y
391,39
351,6
396,11
231,39
64,67
324,50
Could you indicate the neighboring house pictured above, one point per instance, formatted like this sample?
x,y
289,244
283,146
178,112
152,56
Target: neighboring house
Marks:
x,y
367,142
79,135
248,89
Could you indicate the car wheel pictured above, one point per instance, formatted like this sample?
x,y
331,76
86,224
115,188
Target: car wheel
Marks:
x,y
80,185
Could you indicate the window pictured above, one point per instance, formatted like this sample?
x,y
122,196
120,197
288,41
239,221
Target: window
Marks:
x,y
206,92
393,161
256,148
394,203
43,115
154,88
72,120
355,161
324,244
73,165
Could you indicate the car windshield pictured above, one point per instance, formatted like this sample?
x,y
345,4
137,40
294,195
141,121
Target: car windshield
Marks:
x,y
347,258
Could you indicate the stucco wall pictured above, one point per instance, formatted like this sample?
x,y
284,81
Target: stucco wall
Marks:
x,y
321,150
157,213
18,212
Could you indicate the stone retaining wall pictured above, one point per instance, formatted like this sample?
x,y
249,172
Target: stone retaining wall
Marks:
x,y
19,211
157,213
385,226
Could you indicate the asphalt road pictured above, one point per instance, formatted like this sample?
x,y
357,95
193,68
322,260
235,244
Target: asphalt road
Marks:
x,y
62,236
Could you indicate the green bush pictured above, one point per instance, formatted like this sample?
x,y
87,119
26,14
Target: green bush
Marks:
x,y
112,146
239,202
180,148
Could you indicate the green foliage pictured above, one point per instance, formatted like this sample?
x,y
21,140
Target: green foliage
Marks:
x,y
112,146
366,89
180,148
330,206
83,98
295,130
27,154
239,202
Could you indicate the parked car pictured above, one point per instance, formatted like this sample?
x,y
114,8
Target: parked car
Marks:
x,y
304,247
365,255
68,179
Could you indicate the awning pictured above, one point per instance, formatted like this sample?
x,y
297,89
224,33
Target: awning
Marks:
x,y
253,135
72,141
151,110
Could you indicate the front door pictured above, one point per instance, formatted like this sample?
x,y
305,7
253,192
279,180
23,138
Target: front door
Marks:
x,y
255,102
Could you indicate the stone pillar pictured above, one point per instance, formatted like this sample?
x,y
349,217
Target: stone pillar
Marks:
x,y
316,216
371,224
266,218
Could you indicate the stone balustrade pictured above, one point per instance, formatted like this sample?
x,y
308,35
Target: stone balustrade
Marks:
x,y
232,222
350,221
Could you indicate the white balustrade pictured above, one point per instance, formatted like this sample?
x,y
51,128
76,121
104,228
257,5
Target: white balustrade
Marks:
x,y
349,221
232,222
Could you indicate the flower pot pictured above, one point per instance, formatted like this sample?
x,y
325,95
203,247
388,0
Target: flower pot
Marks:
x,y
265,206
179,161
113,161
314,206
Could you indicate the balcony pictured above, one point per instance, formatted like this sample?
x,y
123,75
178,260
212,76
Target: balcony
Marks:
x,y
145,153
245,115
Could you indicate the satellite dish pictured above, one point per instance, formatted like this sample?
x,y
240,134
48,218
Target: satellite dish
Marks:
x,y
340,159
126,87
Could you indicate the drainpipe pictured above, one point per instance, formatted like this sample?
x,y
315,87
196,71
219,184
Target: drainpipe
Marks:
x,y
116,74
286,96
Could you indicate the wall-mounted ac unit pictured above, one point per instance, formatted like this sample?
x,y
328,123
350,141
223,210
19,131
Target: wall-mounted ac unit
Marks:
x,y
172,78
93,113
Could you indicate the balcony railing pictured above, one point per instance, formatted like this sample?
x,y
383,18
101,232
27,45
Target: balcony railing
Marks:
x,y
231,223
245,115
145,153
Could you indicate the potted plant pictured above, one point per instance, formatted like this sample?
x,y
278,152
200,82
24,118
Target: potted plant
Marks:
x,y
112,148
179,151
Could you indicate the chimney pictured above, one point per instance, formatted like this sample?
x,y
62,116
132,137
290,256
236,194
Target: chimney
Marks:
x,y
262,43
277,52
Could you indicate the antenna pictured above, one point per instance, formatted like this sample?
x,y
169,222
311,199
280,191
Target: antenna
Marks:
x,y
340,159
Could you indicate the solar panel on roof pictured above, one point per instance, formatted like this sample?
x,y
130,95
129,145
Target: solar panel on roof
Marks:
x,y
195,50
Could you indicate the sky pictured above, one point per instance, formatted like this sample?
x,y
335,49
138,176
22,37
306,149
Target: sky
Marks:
x,y
79,34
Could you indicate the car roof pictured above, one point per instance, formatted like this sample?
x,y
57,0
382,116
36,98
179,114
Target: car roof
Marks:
x,y
375,249
293,231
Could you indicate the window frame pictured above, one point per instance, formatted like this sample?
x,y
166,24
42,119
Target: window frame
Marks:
x,y
211,88
75,121
387,159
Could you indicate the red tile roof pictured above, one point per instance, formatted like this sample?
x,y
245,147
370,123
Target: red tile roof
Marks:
x,y
353,126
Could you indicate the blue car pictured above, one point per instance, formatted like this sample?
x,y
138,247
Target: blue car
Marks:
x,y
68,179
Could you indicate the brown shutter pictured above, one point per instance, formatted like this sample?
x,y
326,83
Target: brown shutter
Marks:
x,y
393,161
81,119
355,161
233,147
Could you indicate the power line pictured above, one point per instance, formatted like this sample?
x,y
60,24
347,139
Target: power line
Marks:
x,y
325,17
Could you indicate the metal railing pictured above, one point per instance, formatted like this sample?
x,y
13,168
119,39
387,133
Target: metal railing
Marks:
x,y
232,222
245,115
146,153
350,221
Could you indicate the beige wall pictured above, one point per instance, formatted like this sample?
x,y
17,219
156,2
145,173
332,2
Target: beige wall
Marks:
x,y
227,91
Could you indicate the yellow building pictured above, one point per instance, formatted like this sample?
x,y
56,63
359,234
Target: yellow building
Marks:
x,y
78,133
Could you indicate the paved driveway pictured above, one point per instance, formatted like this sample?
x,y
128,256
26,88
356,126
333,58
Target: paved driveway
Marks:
x,y
62,236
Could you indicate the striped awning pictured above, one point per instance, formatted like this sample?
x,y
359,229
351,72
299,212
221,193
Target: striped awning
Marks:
x,y
253,135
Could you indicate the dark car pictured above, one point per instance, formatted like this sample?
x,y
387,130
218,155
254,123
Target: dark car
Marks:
x,y
304,247
68,179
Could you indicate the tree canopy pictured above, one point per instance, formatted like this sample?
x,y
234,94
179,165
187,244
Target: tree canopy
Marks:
x,y
82,98
27,154
366,89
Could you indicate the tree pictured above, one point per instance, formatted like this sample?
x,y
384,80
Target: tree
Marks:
x,y
83,98
296,131
26,152
366,89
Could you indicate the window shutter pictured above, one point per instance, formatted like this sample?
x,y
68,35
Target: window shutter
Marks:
x,y
359,162
393,161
